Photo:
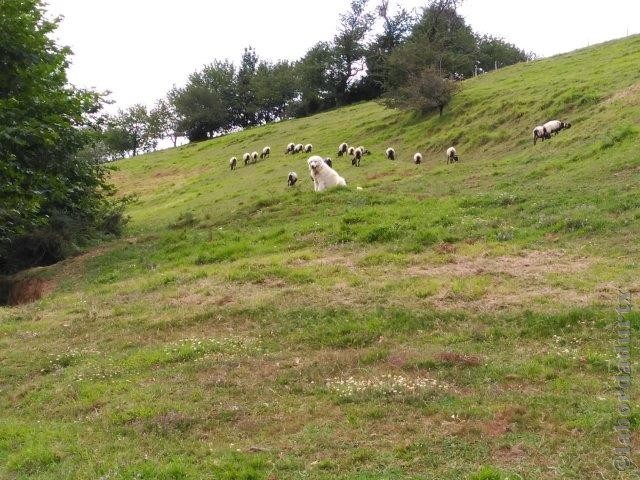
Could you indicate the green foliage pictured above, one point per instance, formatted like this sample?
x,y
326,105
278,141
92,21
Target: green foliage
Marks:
x,y
52,196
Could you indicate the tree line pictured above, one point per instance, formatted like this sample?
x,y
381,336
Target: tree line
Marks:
x,y
411,61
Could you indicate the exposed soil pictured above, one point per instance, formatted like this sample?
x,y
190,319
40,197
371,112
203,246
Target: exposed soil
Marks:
x,y
27,290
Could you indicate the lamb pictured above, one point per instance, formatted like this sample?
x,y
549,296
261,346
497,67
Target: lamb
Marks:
x,y
266,151
540,133
246,157
357,156
328,162
233,162
298,148
452,155
293,178
323,175
308,148
290,147
390,153
254,157
417,158
342,149
554,126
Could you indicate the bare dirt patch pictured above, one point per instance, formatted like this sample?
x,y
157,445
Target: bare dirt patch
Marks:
x,y
453,358
533,264
28,290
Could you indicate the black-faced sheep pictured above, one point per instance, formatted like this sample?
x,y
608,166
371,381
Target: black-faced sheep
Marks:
x,y
329,162
308,148
390,153
357,156
293,178
233,162
299,148
246,158
290,147
350,151
417,158
554,126
364,150
266,151
452,155
254,157
342,149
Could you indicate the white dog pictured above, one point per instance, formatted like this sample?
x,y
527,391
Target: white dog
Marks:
x,y
323,175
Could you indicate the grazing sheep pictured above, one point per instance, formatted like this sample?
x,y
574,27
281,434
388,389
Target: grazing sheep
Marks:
x,y
342,149
323,175
293,178
308,148
290,147
452,155
357,156
254,157
554,126
266,151
328,162
233,162
390,153
246,157
299,148
351,150
364,150
417,158
540,133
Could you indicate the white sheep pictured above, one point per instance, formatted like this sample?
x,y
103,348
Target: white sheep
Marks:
x,y
390,153
233,162
266,151
246,157
351,150
417,158
328,161
452,155
290,147
554,126
293,178
254,157
364,150
357,156
308,148
299,148
342,149
540,133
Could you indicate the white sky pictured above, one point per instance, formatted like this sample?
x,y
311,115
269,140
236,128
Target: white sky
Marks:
x,y
138,49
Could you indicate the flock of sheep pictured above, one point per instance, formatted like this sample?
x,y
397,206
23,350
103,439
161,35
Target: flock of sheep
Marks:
x,y
324,176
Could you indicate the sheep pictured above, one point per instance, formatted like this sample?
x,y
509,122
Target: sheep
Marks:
x,y
364,150
329,162
342,149
254,157
293,178
246,157
357,156
452,155
233,162
417,158
350,151
554,126
390,153
308,148
298,148
540,133
290,147
266,151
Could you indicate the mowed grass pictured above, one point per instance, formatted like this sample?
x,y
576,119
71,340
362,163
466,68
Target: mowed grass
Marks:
x,y
441,322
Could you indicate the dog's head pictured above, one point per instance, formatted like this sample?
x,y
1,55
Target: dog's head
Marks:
x,y
316,164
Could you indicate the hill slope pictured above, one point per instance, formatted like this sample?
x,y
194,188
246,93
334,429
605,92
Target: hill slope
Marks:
x,y
429,325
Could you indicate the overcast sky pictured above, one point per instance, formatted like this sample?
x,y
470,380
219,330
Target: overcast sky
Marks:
x,y
138,49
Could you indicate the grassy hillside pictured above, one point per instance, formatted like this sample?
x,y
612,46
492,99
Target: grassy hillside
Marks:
x,y
441,322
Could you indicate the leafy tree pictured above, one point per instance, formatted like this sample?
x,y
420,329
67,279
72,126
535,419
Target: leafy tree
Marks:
x,y
274,88
422,92
316,81
492,51
51,197
166,121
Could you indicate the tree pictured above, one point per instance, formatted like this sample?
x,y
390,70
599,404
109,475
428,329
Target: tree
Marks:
x,y
165,121
349,48
51,197
494,52
422,92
